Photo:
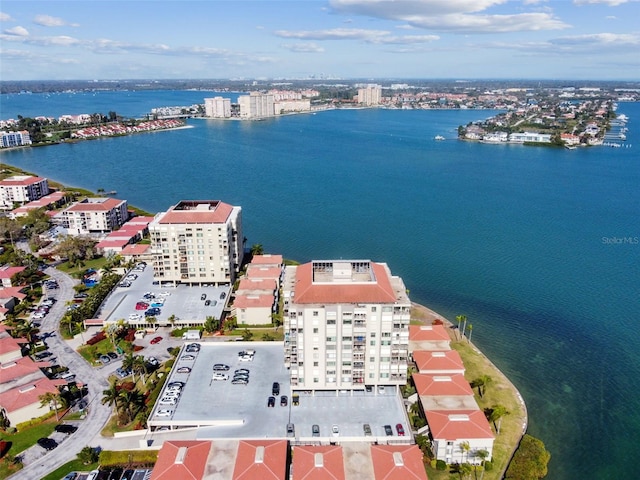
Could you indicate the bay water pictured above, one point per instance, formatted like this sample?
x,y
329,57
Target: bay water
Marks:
x,y
539,247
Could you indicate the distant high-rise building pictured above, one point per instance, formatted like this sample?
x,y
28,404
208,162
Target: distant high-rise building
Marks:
x,y
370,95
346,325
217,107
197,242
256,105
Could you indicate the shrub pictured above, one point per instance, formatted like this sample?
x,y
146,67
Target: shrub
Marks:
x,y
98,337
126,458
137,348
437,321
488,466
441,465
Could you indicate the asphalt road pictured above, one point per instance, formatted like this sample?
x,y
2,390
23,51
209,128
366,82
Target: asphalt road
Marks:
x,y
38,462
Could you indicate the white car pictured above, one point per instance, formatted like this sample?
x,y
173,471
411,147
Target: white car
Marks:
x,y
168,401
335,430
164,413
135,316
246,358
220,376
172,393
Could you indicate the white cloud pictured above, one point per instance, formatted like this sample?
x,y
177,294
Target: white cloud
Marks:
x,y
303,47
611,3
48,21
611,17
5,17
460,16
600,39
17,31
333,34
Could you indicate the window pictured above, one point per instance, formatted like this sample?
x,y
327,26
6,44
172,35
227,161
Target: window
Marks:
x,y
315,313
372,343
315,364
315,330
373,309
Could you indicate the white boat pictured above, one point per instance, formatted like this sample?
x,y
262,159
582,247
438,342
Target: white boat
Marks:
x,y
438,137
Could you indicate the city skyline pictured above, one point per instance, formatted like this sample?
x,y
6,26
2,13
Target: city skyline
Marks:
x,y
465,39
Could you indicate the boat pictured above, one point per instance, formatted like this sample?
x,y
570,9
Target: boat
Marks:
x,y
570,147
438,137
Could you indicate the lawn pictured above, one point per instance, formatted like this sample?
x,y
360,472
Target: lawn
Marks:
x,y
27,437
77,270
72,466
91,352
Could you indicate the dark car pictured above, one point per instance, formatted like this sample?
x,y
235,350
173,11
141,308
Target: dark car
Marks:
x,y
388,430
47,443
271,402
152,312
400,429
112,355
116,473
70,476
367,429
222,295
220,367
127,475
66,428
315,431
284,401
203,296
275,389
207,303
80,295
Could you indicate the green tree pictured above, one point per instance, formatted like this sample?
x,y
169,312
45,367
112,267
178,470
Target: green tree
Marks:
x,y
247,335
211,325
465,448
529,461
111,396
88,455
470,332
267,337
461,319
53,400
256,249
495,415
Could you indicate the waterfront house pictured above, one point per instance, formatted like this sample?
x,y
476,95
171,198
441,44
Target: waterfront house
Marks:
x,y
93,216
22,189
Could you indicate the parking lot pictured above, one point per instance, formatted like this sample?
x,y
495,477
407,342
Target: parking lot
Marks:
x,y
222,409
188,305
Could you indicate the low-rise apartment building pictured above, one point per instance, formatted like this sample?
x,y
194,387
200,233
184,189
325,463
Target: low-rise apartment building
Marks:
x,y
22,189
93,216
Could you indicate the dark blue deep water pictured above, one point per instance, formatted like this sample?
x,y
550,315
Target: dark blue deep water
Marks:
x,y
514,237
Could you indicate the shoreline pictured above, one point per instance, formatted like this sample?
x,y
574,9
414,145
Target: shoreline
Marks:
x,y
424,314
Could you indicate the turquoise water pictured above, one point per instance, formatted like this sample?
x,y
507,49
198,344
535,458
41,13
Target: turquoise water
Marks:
x,y
511,236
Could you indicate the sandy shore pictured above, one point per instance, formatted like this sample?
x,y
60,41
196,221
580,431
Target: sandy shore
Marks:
x,y
517,410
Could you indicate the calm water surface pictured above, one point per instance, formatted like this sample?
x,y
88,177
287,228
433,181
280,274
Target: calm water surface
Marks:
x,y
511,236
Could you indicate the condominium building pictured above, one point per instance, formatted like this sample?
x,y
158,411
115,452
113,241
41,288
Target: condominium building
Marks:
x,y
370,95
22,189
14,139
197,242
346,325
93,216
256,105
217,107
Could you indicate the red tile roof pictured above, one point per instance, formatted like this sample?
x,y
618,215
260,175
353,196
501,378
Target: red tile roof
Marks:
x,y
181,460
397,462
20,181
113,243
446,361
378,291
441,385
103,206
318,463
266,259
254,301
137,249
19,368
421,333
264,460
27,394
8,272
267,284
142,220
260,271
219,214
12,292
8,344
454,425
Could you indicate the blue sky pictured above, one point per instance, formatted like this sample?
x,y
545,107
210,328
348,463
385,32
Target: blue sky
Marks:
x,y
501,39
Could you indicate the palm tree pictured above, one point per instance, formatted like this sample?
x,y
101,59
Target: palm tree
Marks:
x,y
460,319
465,448
464,325
256,249
470,332
482,455
486,380
495,414
127,363
111,396
151,320
140,366
51,399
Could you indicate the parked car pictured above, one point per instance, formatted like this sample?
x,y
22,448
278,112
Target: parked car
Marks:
x,y
153,312
388,430
104,359
175,383
135,316
275,389
367,430
142,306
168,401
284,401
207,303
155,340
65,428
241,375
291,430
70,476
220,376
183,370
203,296
112,355
153,361
240,381
188,357
335,430
164,413
400,429
241,371
222,295
81,295
193,347
271,402
122,373
220,367
315,430
47,443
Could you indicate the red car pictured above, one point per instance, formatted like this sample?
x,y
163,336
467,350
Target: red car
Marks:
x,y
142,306
156,340
400,429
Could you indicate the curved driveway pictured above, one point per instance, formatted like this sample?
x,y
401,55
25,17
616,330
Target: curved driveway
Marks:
x,y
38,462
